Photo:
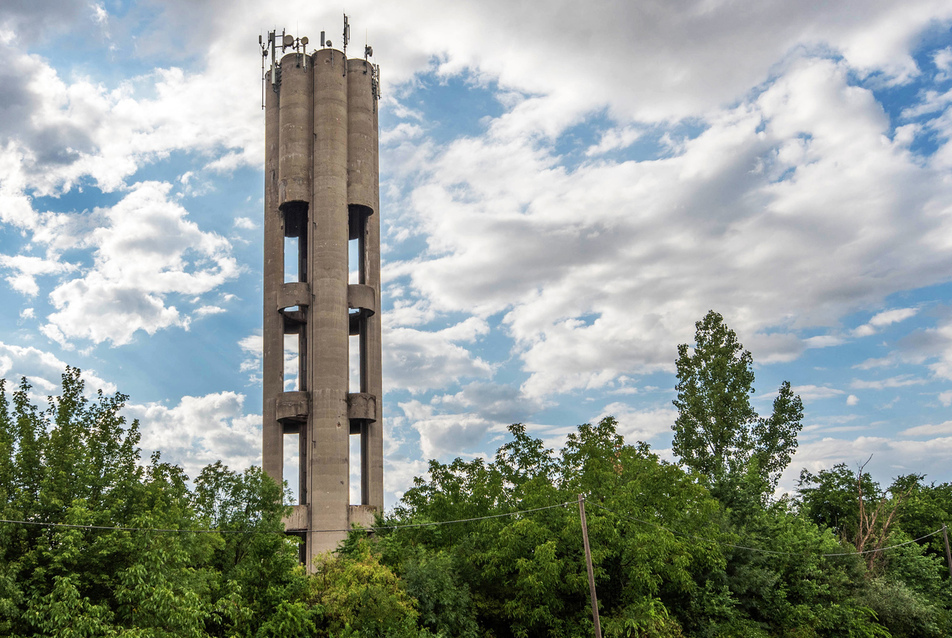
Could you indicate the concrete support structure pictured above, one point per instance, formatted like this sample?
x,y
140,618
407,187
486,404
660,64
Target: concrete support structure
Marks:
x,y
321,192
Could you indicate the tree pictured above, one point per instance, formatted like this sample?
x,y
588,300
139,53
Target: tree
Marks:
x,y
71,474
718,434
526,574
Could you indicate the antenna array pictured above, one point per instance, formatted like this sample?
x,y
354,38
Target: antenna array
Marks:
x,y
287,41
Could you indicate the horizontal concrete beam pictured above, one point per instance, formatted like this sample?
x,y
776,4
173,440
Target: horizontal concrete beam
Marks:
x,y
297,520
363,515
361,296
362,405
292,406
294,293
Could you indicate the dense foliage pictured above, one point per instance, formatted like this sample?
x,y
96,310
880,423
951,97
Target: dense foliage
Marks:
x,y
718,434
73,468
91,542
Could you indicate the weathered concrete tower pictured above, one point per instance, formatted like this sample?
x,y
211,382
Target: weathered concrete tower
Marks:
x,y
321,207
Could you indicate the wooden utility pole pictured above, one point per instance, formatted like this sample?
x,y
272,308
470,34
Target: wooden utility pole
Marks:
x,y
945,537
588,563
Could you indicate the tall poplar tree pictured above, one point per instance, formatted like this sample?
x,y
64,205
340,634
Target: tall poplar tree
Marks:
x,y
718,433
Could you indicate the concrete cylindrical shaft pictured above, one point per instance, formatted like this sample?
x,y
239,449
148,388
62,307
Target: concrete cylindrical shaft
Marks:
x,y
295,115
361,136
272,445
329,323
362,198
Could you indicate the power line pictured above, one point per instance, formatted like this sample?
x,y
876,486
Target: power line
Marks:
x,y
253,531
758,549
469,520
454,521
117,528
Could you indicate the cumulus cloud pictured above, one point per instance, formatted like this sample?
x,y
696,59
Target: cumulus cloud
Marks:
x,y
445,436
201,430
146,251
900,381
703,54
418,360
812,392
251,346
494,402
43,370
641,424
39,20
890,457
885,318
929,430
774,188
205,311
794,196
614,139
26,268
59,132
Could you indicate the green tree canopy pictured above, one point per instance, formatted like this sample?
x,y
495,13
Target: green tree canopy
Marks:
x,y
718,434
525,575
86,555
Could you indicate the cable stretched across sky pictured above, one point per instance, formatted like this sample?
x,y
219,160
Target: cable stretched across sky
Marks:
x,y
764,551
254,531
461,520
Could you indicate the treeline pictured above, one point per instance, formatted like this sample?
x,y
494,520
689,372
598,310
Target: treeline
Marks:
x,y
96,542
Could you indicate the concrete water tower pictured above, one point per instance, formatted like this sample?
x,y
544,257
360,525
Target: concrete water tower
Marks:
x,y
321,223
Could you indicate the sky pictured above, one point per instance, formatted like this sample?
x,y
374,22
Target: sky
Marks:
x,y
566,188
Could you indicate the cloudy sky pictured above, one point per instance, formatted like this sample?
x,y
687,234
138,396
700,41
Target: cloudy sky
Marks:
x,y
566,188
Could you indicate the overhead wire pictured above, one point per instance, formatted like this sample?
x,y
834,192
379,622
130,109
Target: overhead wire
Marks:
x,y
460,520
759,549
252,531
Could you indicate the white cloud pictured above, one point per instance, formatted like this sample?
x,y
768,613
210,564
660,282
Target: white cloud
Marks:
x,y
445,436
59,131
43,369
702,54
614,139
492,401
417,360
27,267
813,392
823,341
796,197
399,133
885,318
890,457
852,400
601,270
146,251
929,430
640,424
900,381
205,311
201,430
880,362
251,348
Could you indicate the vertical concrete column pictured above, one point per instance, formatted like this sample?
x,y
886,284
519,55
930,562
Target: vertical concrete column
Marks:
x,y
363,200
272,441
328,373
296,118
